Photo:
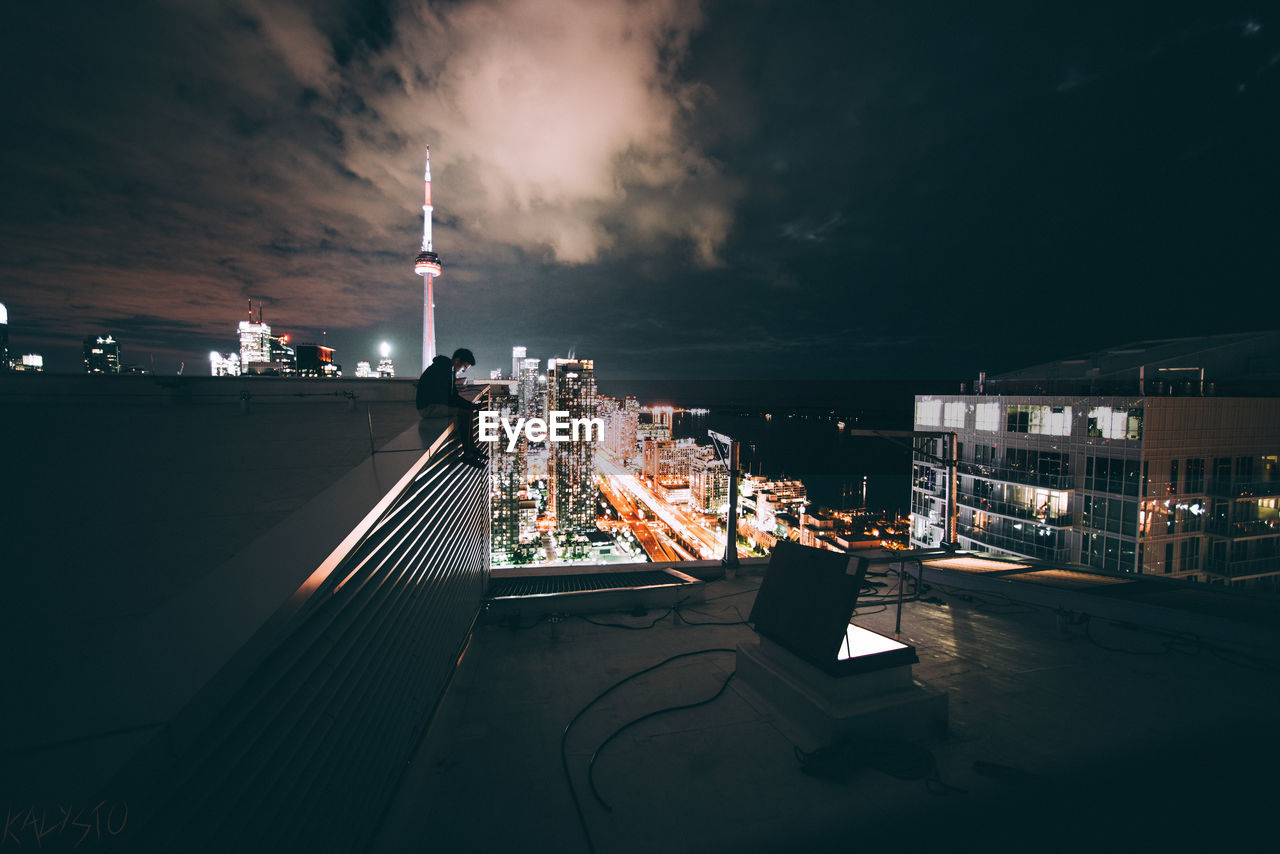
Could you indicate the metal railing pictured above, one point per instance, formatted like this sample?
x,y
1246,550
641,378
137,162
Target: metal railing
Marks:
x,y
1246,528
1243,568
1015,511
1021,547
1225,487
332,706
1017,475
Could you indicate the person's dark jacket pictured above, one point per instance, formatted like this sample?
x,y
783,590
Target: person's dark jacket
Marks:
x,y
436,385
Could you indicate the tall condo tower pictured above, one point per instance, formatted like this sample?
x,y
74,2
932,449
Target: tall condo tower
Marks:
x,y
428,267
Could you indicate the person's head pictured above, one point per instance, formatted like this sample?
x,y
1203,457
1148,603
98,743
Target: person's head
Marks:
x,y
462,359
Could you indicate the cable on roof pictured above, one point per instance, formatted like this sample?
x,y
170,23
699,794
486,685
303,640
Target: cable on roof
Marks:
x,y
591,765
564,737
650,625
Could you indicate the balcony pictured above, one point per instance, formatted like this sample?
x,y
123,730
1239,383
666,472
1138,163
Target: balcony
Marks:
x,y
1225,487
1239,569
1015,475
1248,528
1016,546
1013,511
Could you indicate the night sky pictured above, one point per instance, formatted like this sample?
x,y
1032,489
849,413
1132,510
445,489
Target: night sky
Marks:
x,y
731,190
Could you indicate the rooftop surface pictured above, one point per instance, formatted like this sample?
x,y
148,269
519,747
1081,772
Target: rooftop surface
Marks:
x,y
1065,729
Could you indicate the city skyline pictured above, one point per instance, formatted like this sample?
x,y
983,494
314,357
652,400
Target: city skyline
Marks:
x,y
640,181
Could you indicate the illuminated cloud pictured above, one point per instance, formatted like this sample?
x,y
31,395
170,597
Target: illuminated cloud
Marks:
x,y
556,125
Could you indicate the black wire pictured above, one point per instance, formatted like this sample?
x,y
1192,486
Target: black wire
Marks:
x,y
591,765
727,595
688,622
624,625
564,737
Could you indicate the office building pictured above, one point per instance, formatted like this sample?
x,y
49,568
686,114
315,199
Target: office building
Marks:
x,y
518,355
386,370
666,461
571,388
620,433
779,498
4,338
507,481
316,360
708,485
224,364
283,358
1178,477
527,388
101,355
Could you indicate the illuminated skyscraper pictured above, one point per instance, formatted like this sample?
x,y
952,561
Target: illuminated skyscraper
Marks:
x,y
708,485
4,338
224,365
571,388
527,388
517,361
283,357
101,355
385,368
507,477
255,344
427,265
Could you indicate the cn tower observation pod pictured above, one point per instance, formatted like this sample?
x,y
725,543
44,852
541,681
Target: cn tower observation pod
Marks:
x,y
427,263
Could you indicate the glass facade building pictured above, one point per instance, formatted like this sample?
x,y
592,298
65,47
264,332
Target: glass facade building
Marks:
x,y
1166,485
571,388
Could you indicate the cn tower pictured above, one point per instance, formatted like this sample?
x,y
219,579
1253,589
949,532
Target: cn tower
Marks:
x,y
427,265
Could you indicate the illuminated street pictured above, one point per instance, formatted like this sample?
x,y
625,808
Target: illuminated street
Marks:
x,y
625,491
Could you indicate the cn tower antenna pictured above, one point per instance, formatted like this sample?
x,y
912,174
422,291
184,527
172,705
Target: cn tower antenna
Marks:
x,y
427,265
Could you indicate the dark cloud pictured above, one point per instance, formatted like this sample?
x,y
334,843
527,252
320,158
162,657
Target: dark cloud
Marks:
x,y
720,190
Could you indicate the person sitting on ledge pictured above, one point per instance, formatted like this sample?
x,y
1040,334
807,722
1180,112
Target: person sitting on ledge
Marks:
x,y
438,398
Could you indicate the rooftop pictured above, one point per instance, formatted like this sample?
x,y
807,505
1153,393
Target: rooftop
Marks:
x,y
1235,363
1067,728
248,646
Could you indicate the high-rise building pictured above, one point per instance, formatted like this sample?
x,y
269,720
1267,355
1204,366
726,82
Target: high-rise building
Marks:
x,y
507,481
4,338
427,265
527,388
283,358
666,461
1057,462
255,344
778,497
364,371
316,360
518,355
540,396
708,485
224,364
386,370
101,355
571,388
29,362
620,433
